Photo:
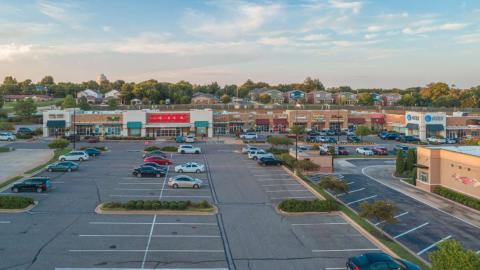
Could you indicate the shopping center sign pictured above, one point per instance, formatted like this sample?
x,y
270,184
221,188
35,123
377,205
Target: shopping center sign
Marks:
x,y
168,118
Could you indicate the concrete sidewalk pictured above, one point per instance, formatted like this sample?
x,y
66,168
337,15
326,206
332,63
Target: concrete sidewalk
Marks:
x,y
384,175
21,160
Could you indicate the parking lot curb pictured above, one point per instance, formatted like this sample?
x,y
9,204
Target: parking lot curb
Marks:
x,y
23,210
284,213
100,211
304,184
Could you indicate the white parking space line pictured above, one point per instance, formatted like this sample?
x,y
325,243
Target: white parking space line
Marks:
x,y
433,245
282,185
353,191
335,268
149,223
155,196
363,199
349,183
276,180
262,175
291,190
411,230
344,250
397,216
293,197
4,222
152,236
157,189
320,224
151,250
148,242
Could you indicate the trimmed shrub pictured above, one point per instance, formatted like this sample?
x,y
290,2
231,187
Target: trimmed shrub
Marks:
x,y
457,197
157,205
23,136
315,147
38,132
293,205
307,165
288,160
276,151
7,126
58,144
279,140
169,148
14,202
5,149
151,148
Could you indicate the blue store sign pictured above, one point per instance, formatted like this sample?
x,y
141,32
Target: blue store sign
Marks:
x,y
428,118
297,94
409,117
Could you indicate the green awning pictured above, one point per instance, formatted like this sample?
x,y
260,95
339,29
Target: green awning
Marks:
x,y
201,123
56,123
134,124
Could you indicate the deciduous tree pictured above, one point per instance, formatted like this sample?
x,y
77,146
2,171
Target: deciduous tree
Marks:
x,y
69,102
25,108
451,255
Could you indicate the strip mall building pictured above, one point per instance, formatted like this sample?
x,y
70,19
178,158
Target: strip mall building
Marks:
x,y
208,123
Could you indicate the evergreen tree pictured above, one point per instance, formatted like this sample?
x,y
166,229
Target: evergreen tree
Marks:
x,y
411,160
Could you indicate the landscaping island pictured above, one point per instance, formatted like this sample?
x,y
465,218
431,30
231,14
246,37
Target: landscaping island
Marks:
x,y
157,207
15,203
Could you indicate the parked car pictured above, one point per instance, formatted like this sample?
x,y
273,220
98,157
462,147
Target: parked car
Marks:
x,y
93,139
153,164
188,149
63,166
380,151
190,139
331,140
179,139
191,167
451,141
24,130
34,184
256,154
74,156
436,140
73,137
158,159
266,161
151,171
364,151
247,148
323,139
155,153
408,139
249,136
7,136
379,260
93,152
401,147
389,136
341,150
382,134
184,181
324,148
353,139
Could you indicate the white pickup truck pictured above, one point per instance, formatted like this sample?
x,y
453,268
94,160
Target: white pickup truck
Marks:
x,y
436,140
258,154
188,149
249,136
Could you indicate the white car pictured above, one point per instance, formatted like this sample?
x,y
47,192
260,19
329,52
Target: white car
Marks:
x,y
249,136
74,156
247,148
190,139
190,167
364,151
188,149
258,154
436,140
7,136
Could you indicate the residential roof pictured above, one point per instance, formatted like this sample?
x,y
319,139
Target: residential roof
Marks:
x,y
201,94
468,150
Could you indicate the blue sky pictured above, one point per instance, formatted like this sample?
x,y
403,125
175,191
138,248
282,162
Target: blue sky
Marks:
x,y
359,43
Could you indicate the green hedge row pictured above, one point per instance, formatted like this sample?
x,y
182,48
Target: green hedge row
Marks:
x,y
151,148
129,138
4,149
291,163
14,202
293,205
277,151
169,148
22,136
58,144
457,197
157,205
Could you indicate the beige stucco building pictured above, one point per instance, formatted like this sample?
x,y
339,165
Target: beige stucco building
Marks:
x,y
453,167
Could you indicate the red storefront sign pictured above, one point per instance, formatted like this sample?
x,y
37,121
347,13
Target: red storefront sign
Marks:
x,y
168,118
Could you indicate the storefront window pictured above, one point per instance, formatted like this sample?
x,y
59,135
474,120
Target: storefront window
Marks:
x,y
219,129
134,132
84,130
262,128
55,132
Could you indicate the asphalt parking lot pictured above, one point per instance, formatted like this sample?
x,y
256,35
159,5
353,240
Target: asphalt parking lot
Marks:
x,y
63,232
420,227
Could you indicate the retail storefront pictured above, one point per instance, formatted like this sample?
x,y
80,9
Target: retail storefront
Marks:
x,y
56,123
56,128
134,128
201,128
425,124
167,124
377,121
88,124
280,125
262,125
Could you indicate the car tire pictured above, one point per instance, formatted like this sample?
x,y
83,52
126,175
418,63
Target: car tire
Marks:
x,y
197,171
50,170
69,169
180,171
196,186
15,190
197,152
175,186
182,152
80,159
39,190
255,158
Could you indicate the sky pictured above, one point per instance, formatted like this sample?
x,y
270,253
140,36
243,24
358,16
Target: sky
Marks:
x,y
371,43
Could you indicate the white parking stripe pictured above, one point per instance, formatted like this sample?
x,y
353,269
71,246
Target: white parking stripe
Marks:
x,y
345,250
353,191
276,180
397,216
154,196
149,223
349,183
153,236
282,185
363,199
150,184
432,245
148,242
292,197
11,193
319,224
262,175
151,250
157,189
335,268
411,230
291,190
4,222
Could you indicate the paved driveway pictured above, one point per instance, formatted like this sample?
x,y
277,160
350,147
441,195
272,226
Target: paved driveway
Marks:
x,y
21,160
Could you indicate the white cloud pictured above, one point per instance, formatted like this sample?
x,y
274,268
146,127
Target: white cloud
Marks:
x,y
106,28
274,41
468,38
433,28
375,28
66,12
315,37
343,43
10,51
241,20
370,36
17,29
346,5
390,16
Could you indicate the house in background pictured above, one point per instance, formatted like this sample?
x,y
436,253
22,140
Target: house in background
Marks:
x,y
36,98
390,99
346,98
288,96
319,97
112,94
203,98
93,96
276,96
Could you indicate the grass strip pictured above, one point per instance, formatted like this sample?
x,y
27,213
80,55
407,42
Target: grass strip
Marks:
x,y
374,231
15,202
11,180
57,154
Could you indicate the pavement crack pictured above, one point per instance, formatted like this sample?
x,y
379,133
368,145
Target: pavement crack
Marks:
x,y
51,240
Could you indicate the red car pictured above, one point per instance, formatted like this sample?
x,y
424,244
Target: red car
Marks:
x,y
341,150
158,159
381,151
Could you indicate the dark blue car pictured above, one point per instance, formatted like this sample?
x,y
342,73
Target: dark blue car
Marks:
x,y
379,260
92,152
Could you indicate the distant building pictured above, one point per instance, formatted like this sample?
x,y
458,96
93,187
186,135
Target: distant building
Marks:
x,y
390,99
319,97
346,98
288,96
203,98
276,96
11,98
112,94
101,78
93,96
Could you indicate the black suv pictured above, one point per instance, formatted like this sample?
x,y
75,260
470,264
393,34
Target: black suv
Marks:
x,y
269,161
153,164
25,130
148,171
35,184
